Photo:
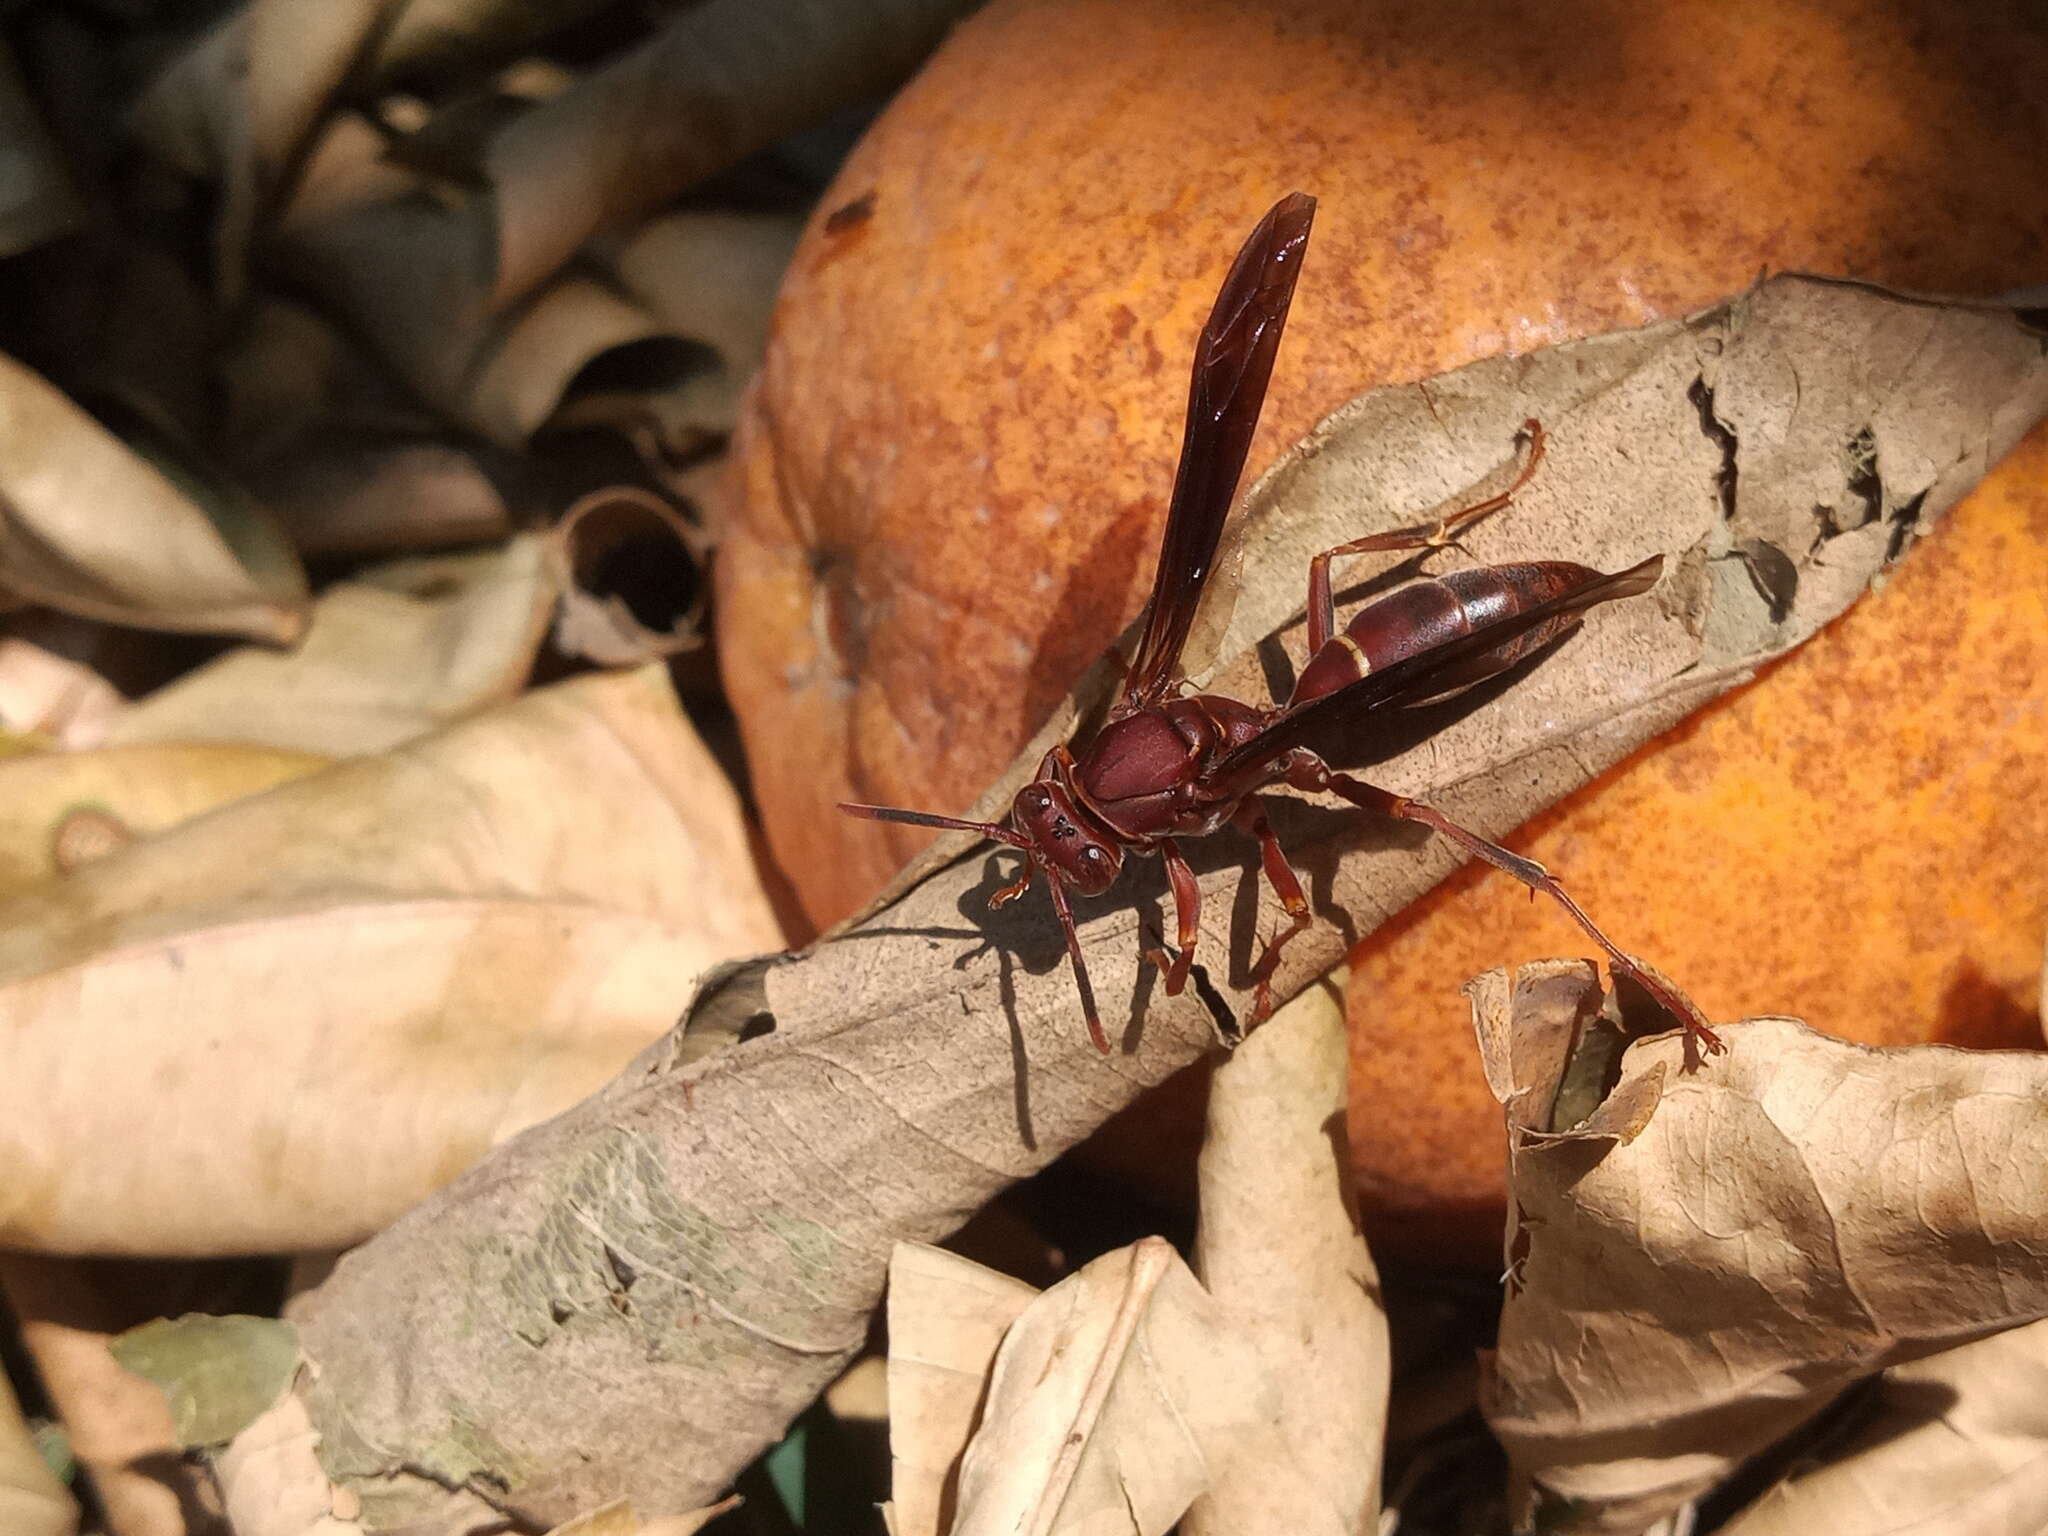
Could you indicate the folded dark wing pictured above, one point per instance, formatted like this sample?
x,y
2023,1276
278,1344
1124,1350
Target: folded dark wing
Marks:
x,y
1233,362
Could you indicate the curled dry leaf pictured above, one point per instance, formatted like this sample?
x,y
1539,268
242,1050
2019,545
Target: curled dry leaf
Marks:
x,y
407,273
1101,1403
312,1007
1705,1260
349,462
1953,1445
400,650
90,527
33,1500
240,104
470,300
721,81
929,1052
625,538
49,799
710,277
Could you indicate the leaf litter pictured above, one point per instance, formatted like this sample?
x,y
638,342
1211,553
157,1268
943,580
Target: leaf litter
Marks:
x,y
715,1223
925,1055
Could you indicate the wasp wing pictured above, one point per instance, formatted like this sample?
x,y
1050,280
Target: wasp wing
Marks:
x,y
1233,362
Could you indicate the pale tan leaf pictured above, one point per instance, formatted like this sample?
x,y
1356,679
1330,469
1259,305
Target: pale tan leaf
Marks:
x,y
33,1501
141,789
1955,1445
1085,1427
271,1482
710,276
410,274
523,367
691,1523
53,696
400,650
1698,1274
90,527
638,131
316,1005
947,1317
1281,1251
351,493
349,463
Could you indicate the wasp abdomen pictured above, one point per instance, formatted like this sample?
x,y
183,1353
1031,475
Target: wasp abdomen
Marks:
x,y
1427,613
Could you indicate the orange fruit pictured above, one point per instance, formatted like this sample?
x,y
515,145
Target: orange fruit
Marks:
x,y
951,475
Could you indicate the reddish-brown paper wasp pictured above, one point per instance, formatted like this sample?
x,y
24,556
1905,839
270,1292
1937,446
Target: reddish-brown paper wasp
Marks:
x,y
1166,765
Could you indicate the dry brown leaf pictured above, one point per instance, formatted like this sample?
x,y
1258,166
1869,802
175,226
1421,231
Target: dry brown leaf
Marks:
x,y
896,1076
400,650
314,1006
408,272
1954,1445
710,277
375,493
1280,1249
33,1500
90,527
947,1317
1700,1271
347,461
53,696
47,799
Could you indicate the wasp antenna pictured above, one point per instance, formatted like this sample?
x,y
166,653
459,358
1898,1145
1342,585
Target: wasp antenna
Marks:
x,y
988,829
